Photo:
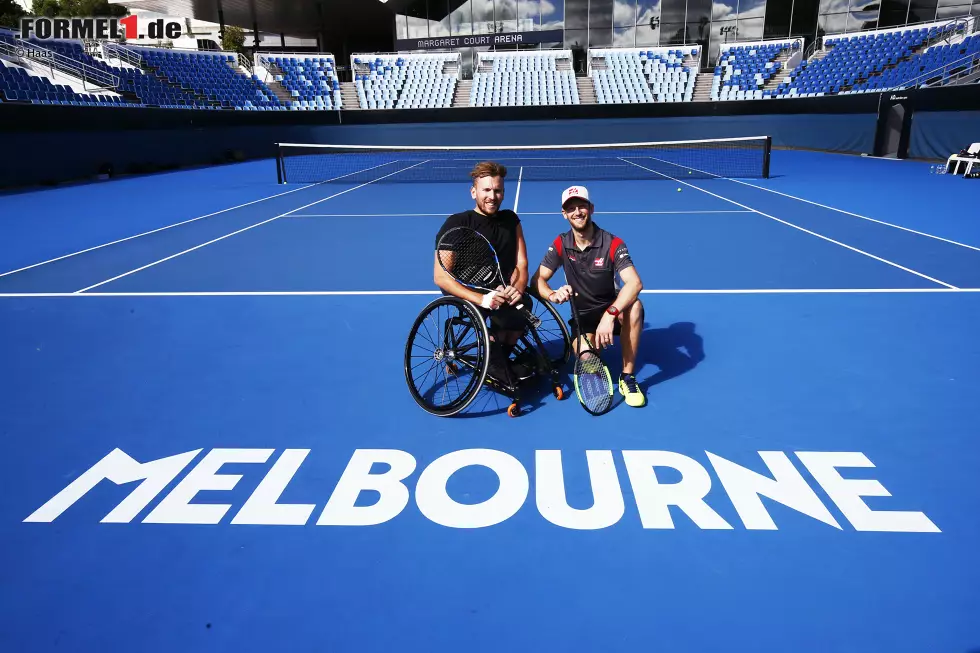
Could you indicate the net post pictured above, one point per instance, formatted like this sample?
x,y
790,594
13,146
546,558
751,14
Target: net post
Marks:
x,y
278,163
765,157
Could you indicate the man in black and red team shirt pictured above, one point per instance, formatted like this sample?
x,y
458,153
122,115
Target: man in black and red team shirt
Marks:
x,y
606,310
503,229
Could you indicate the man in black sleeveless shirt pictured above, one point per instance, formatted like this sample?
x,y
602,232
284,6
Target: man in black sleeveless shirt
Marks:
x,y
503,229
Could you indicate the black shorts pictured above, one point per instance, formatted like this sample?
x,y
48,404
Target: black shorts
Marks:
x,y
590,322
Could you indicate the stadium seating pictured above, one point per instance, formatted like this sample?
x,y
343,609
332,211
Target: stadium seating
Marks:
x,y
744,70
311,80
934,65
631,75
542,77
855,63
408,81
18,85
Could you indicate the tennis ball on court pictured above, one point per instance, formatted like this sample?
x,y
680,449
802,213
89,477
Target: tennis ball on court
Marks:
x,y
678,190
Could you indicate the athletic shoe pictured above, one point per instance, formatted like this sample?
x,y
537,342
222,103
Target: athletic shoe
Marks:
x,y
629,388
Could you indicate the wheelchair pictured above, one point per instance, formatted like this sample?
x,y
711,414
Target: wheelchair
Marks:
x,y
447,355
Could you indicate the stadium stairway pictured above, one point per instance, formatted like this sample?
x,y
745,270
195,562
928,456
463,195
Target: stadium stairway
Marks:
x,y
277,88
586,90
462,97
702,87
348,96
776,80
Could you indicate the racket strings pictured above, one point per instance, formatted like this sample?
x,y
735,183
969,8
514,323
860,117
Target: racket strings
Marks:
x,y
471,259
594,384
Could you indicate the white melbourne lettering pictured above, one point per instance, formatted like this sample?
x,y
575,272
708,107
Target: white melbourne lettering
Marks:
x,y
779,481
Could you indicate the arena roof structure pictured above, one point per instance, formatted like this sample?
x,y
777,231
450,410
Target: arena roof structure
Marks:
x,y
339,24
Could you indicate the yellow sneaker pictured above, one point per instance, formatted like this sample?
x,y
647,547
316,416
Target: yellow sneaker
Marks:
x,y
629,388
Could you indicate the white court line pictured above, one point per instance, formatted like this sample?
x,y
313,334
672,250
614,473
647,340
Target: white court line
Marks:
x,y
409,215
177,224
258,224
375,293
517,196
812,233
825,206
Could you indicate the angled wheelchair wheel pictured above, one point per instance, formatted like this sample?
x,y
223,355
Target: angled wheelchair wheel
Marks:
x,y
553,334
446,356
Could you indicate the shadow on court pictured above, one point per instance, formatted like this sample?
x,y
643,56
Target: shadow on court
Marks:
x,y
673,350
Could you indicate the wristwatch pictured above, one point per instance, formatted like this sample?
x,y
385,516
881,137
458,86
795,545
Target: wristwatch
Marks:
x,y
612,310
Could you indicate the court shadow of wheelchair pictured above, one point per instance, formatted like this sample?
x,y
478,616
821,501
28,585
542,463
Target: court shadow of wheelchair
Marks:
x,y
674,350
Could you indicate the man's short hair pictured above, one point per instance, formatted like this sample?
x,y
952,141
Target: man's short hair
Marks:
x,y
488,169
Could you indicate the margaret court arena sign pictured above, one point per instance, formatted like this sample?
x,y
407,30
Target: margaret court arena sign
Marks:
x,y
657,482
479,40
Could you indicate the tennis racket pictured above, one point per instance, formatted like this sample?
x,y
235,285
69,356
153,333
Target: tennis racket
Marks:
x,y
593,382
470,259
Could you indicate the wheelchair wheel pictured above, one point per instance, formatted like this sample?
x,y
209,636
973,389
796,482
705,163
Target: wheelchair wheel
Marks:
x,y
553,332
446,356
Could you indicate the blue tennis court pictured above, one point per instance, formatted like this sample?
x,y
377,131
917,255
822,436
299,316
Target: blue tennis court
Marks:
x,y
211,444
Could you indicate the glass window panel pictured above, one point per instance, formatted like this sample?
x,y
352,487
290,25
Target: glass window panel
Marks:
x,y
724,9
528,15
505,10
648,13
955,3
482,16
753,8
576,38
552,14
624,37
804,18
461,20
600,14
673,11
953,12
833,6
600,37
401,27
975,10
862,21
893,13
777,19
624,13
439,29
749,30
576,14
672,34
832,24
722,32
922,10
647,34
417,27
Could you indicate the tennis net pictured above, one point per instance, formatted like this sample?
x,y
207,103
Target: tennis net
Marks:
x,y
746,157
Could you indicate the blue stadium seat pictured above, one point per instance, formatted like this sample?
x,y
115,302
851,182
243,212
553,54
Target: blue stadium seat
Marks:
x,y
862,63
409,81
637,75
744,70
543,77
312,81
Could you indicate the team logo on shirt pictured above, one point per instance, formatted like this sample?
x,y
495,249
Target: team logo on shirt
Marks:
x,y
598,261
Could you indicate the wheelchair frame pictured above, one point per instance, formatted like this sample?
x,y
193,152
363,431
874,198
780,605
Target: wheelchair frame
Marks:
x,y
452,352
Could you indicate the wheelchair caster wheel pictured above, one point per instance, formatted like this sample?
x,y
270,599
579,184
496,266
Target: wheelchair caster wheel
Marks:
x,y
514,410
559,392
